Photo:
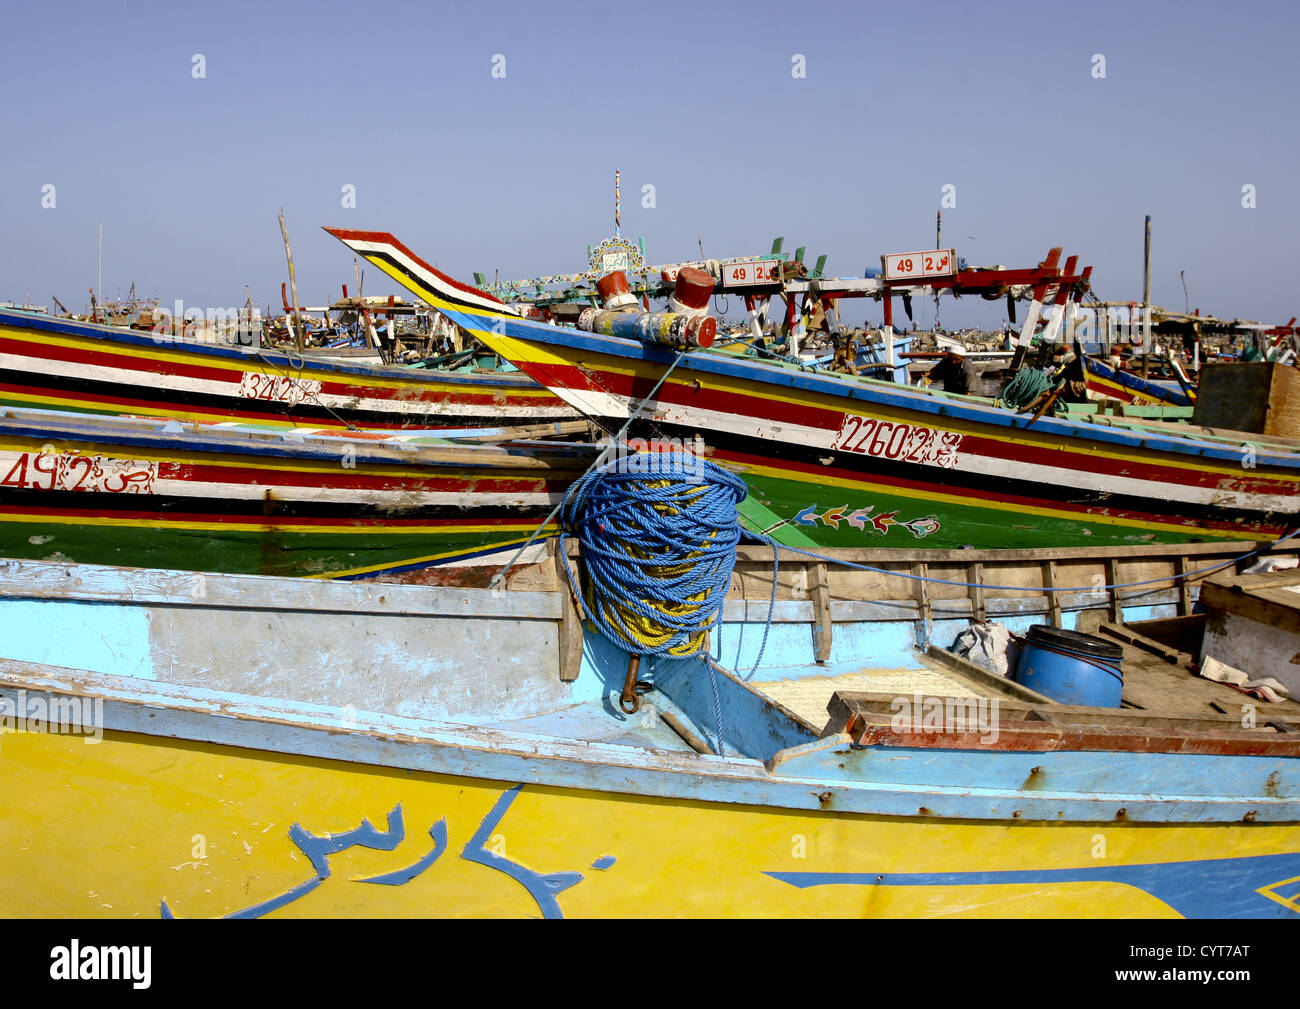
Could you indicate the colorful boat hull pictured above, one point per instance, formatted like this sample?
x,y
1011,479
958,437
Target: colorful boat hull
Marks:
x,y
218,805
162,762
60,364
130,493
833,461
1107,382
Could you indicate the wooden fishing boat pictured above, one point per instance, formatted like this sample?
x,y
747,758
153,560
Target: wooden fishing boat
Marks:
x,y
166,762
148,494
64,364
834,460
1108,382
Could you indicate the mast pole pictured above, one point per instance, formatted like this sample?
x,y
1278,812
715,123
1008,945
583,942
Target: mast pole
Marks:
x,y
293,283
1146,297
938,244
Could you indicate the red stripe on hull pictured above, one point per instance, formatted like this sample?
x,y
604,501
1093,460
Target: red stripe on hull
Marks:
x,y
414,392
199,473
685,394
384,238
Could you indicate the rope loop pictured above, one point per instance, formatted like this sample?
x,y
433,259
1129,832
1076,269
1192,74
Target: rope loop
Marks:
x,y
1025,387
659,532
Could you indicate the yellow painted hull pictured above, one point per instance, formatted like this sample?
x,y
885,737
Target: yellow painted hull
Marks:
x,y
115,828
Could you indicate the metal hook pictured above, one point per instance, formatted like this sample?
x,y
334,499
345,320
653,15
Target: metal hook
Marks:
x,y
630,701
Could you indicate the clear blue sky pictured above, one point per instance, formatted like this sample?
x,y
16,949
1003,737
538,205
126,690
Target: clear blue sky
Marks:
x,y
479,173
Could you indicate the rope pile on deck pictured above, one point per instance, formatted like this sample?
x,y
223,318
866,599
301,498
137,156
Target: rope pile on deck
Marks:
x,y
659,533
1026,387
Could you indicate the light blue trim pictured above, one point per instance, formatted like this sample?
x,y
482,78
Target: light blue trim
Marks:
x,y
102,637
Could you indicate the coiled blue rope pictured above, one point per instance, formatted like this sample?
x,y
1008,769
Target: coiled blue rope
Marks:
x,y
659,533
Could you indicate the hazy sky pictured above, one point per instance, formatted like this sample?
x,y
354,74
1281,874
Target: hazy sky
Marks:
x,y
515,173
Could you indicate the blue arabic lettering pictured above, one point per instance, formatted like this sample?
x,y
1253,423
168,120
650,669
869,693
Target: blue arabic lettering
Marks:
x,y
542,887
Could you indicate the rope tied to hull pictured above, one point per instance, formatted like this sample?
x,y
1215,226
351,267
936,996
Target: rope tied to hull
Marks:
x,y
1027,385
659,532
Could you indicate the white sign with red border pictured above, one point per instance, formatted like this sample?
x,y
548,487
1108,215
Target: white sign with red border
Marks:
x,y
763,271
917,265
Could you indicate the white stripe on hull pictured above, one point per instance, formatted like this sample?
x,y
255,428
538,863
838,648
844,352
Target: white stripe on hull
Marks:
x,y
213,387
429,280
704,421
395,501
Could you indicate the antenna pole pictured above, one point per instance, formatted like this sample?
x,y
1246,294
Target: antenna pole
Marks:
x,y
938,244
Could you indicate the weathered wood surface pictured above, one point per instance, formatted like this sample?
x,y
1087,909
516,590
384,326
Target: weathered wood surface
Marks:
x,y
872,720
570,629
985,681
1159,676
1129,636
819,588
1261,396
876,555
1253,624
97,583
422,651
1262,597
1181,633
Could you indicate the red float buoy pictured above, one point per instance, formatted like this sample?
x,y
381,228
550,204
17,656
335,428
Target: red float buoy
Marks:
x,y
691,291
614,291
703,330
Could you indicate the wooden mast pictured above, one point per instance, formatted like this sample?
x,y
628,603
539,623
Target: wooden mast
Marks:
x,y
293,283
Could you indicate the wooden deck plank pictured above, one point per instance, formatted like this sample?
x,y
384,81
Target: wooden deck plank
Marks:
x,y
1158,686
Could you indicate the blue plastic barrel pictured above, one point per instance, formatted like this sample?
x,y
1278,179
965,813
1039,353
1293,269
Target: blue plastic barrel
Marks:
x,y
1071,667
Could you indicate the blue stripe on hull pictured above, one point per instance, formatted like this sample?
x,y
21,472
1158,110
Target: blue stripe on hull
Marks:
x,y
867,391
1209,888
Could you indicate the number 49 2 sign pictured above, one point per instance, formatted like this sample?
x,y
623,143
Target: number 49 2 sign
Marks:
x,y
915,265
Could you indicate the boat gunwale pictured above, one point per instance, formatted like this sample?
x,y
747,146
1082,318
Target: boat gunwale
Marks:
x,y
397,743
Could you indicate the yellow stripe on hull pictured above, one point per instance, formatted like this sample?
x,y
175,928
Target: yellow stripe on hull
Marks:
x,y
112,829
547,530
426,381
342,529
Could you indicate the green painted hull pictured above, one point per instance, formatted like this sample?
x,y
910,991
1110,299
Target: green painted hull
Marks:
x,y
790,514
365,551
